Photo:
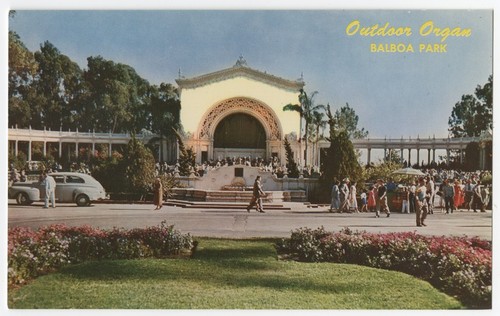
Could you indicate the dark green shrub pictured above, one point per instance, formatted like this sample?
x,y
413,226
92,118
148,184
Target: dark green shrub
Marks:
x,y
461,267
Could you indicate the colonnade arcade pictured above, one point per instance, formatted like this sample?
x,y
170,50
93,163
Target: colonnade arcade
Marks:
x,y
409,146
65,143
73,141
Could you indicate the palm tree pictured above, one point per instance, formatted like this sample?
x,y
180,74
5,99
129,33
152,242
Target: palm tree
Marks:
x,y
317,122
306,109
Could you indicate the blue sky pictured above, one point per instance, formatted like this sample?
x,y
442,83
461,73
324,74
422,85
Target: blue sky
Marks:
x,y
394,94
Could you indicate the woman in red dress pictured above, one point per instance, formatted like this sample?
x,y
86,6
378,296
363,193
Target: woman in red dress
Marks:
x,y
372,203
459,197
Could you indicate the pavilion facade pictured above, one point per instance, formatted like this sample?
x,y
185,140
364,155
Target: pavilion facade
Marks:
x,y
236,112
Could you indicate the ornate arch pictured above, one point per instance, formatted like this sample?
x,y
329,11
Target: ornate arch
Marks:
x,y
257,109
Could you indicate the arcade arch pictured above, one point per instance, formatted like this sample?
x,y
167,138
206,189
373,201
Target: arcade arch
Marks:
x,y
239,127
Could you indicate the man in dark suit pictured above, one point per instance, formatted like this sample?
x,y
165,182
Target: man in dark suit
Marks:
x,y
258,193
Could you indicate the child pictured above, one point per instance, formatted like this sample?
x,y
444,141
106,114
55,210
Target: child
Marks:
x,y
363,201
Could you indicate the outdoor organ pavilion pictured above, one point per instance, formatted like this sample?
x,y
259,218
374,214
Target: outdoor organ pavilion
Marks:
x,y
238,112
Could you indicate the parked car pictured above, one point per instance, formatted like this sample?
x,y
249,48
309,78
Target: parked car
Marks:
x,y
75,187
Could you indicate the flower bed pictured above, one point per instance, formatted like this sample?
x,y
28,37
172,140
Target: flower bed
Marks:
x,y
32,253
459,266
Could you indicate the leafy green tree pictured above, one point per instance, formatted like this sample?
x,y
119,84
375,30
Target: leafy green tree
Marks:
x,y
131,173
117,100
383,170
187,157
291,165
22,71
341,159
347,120
47,89
165,112
140,166
305,108
472,156
58,83
110,172
474,113
19,161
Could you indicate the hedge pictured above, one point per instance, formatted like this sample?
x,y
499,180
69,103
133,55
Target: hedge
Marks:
x,y
31,253
459,266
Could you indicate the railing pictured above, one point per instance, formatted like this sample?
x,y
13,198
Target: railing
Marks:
x,y
380,143
15,133
409,143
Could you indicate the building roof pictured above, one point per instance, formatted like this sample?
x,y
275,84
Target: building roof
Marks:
x,y
240,69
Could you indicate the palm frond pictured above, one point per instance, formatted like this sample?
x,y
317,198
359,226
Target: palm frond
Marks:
x,y
293,107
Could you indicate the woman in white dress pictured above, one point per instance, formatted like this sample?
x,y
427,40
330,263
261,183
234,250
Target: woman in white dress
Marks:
x,y
353,203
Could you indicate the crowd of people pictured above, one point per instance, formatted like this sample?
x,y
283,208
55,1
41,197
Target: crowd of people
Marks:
x,y
455,191
272,165
345,198
449,190
38,168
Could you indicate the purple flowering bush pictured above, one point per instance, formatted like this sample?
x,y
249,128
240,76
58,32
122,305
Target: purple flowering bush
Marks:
x,y
459,266
32,253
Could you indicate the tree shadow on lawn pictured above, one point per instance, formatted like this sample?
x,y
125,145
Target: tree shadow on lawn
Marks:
x,y
228,252
245,266
225,263
210,273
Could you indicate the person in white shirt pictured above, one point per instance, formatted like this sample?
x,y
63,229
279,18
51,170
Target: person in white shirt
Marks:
x,y
421,203
50,190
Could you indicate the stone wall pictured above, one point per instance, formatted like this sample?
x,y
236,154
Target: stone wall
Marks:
x,y
241,178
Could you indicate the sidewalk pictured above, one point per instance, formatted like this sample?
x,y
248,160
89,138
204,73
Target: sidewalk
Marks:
x,y
238,223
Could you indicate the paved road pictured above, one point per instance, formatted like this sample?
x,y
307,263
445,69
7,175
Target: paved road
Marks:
x,y
240,224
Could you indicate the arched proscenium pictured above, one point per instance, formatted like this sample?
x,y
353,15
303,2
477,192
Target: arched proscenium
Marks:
x,y
255,108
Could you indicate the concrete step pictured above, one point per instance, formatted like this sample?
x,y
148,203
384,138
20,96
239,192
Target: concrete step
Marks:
x,y
221,205
236,196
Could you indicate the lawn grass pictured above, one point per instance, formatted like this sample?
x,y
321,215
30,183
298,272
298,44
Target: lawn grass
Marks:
x,y
227,274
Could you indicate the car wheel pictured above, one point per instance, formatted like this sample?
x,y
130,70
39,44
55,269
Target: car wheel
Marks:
x,y
23,199
82,200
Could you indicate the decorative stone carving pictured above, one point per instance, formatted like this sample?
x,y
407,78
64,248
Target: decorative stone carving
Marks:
x,y
246,105
240,69
241,62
